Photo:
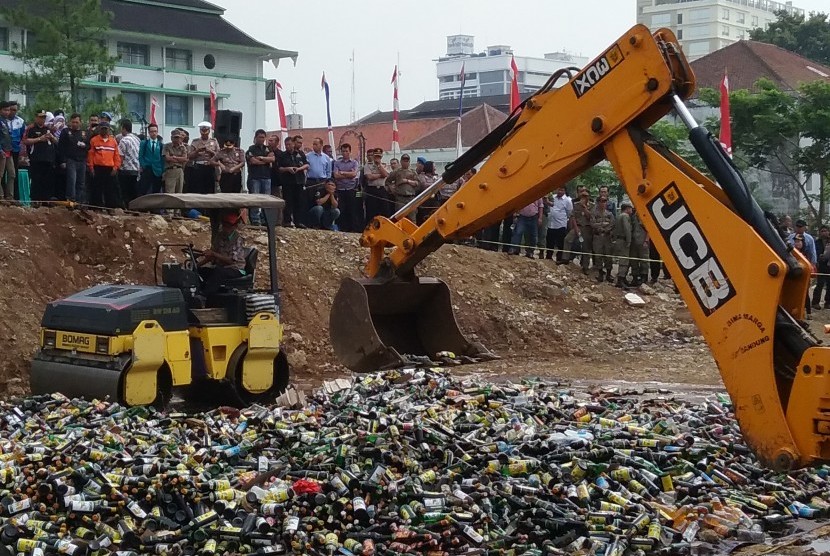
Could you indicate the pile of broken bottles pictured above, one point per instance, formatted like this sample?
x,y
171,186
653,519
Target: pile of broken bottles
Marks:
x,y
400,462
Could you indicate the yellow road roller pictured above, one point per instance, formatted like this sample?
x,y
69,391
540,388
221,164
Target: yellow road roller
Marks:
x,y
134,344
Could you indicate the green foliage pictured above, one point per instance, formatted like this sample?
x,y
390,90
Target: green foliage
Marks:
x,y
809,37
767,129
67,46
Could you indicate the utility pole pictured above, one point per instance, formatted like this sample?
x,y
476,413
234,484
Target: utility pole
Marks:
x,y
353,112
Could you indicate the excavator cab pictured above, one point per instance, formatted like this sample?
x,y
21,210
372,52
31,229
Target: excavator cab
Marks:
x,y
135,343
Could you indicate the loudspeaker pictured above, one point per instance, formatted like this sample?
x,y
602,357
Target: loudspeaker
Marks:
x,y
228,125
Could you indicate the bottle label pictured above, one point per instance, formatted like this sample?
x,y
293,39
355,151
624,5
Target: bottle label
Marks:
x,y
359,504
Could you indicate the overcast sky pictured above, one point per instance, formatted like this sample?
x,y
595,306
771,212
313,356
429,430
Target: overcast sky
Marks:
x,y
325,32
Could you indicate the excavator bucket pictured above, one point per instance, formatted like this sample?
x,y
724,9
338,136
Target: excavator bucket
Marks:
x,y
374,325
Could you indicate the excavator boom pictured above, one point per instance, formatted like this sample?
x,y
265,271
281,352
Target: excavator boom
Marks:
x,y
744,287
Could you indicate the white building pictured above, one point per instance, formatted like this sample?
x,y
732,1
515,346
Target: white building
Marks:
x,y
488,73
703,26
173,51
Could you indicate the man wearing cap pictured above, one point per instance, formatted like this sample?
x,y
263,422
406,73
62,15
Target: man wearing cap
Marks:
x,y
226,254
105,117
230,161
622,243
809,248
17,126
259,158
378,202
324,213
175,157
403,185
202,151
639,251
579,238
41,145
602,223
103,161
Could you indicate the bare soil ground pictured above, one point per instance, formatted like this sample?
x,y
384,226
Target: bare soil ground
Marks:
x,y
542,319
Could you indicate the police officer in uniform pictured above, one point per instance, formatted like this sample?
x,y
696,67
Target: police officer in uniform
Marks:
x,y
602,223
580,237
622,243
202,153
639,251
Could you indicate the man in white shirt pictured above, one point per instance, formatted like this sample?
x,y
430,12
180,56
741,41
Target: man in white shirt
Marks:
x,y
561,208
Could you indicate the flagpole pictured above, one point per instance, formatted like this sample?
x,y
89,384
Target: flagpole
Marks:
x,y
396,147
325,85
458,145
281,112
725,137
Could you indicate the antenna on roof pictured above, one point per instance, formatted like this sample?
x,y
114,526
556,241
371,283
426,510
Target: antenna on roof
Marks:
x,y
293,97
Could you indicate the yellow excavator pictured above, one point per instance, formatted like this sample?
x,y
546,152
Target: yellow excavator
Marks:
x,y
744,286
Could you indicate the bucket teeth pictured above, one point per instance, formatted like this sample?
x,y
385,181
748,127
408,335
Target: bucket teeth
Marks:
x,y
376,325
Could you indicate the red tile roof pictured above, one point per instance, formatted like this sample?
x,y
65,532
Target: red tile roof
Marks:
x,y
376,134
475,124
747,61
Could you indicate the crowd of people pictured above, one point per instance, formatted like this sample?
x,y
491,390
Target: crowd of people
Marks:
x,y
105,164
594,231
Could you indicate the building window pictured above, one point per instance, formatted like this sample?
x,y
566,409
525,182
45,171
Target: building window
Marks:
x,y
724,14
178,59
177,110
755,21
492,89
89,96
207,108
680,34
680,19
446,78
661,20
724,31
133,54
492,76
740,17
697,49
472,75
4,38
136,104
700,14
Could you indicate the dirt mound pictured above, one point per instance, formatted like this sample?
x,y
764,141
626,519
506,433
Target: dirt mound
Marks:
x,y
544,319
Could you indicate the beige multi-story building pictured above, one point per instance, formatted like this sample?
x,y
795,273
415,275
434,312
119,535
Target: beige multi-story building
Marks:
x,y
703,26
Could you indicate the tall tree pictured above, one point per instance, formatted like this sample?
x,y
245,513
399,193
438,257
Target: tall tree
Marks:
x,y
786,135
66,43
808,36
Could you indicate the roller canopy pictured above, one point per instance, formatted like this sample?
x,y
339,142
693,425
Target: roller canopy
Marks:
x,y
156,201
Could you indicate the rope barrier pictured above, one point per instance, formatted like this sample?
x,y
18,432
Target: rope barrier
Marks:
x,y
74,204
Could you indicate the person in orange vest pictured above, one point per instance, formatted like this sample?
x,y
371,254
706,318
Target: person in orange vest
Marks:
x,y
104,161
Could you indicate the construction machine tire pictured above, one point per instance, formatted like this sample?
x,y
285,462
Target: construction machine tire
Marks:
x,y
282,375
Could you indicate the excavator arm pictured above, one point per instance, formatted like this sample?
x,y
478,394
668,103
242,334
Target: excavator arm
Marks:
x,y
744,287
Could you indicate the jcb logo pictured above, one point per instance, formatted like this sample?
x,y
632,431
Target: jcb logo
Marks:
x,y
74,340
690,249
592,75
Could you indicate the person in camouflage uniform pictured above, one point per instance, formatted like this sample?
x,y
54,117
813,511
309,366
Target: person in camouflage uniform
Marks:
x,y
639,251
602,223
579,237
622,243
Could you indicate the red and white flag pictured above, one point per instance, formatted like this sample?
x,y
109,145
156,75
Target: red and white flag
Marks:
x,y
212,106
283,119
396,146
725,124
515,98
154,105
